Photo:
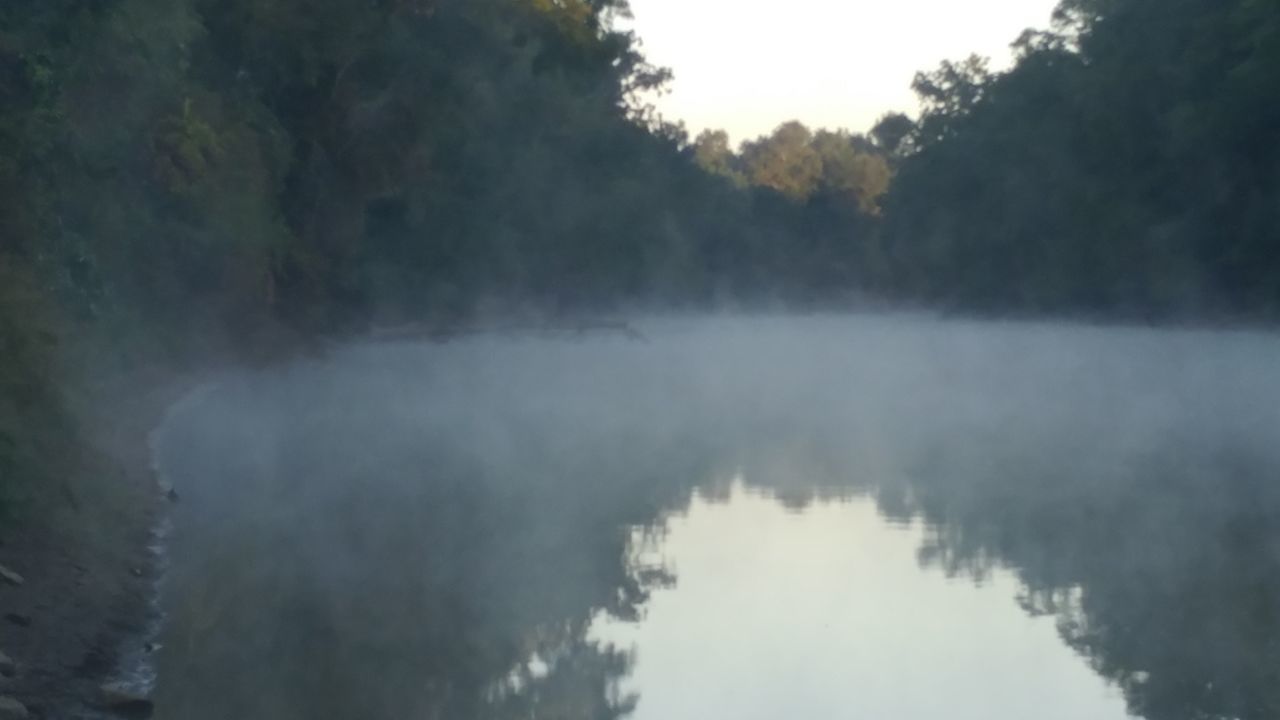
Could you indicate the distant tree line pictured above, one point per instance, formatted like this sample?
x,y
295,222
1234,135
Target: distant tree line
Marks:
x,y
1126,166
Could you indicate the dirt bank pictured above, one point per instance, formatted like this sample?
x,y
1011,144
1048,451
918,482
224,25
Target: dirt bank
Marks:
x,y
83,552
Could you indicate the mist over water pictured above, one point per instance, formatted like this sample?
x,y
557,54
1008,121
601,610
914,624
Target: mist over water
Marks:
x,y
499,526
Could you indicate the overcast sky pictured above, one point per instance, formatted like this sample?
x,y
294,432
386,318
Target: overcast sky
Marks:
x,y
747,66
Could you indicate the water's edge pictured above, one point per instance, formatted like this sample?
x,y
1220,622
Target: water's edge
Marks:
x,y
135,674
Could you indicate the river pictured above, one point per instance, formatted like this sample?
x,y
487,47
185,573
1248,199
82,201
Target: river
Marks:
x,y
821,516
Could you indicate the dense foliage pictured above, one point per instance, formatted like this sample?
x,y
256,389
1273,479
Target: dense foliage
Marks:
x,y
1129,163
194,178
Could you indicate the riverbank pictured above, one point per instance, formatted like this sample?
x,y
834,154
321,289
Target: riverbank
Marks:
x,y
85,552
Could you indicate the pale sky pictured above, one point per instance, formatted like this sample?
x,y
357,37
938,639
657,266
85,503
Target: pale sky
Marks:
x,y
747,66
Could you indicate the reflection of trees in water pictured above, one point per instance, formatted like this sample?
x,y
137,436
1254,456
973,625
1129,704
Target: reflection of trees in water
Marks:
x,y
1164,574
345,571
570,678
1160,560
356,566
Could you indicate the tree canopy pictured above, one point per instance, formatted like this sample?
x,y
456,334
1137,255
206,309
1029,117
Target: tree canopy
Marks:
x,y
1127,164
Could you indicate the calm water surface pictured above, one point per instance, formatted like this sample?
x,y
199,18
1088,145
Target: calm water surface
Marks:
x,y
740,518
824,612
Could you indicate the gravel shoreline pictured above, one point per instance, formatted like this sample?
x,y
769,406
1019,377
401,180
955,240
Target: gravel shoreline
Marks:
x,y
85,613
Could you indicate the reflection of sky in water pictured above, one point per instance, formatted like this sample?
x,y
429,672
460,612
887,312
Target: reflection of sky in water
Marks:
x,y
826,613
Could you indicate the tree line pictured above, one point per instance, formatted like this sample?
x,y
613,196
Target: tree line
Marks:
x,y
182,179
1128,165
